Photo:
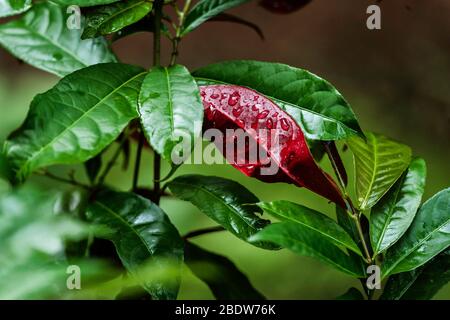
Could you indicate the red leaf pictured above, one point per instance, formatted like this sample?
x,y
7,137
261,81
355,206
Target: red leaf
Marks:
x,y
283,6
273,130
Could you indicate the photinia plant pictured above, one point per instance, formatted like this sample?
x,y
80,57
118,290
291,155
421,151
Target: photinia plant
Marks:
x,y
271,121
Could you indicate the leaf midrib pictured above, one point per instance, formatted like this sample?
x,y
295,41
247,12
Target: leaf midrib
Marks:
x,y
121,11
43,148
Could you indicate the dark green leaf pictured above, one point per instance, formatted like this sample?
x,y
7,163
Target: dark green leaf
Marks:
x,y
224,279
93,166
226,17
170,109
84,3
206,9
304,241
141,233
324,227
13,7
428,235
393,214
225,201
419,284
114,17
351,294
379,162
312,102
88,110
42,39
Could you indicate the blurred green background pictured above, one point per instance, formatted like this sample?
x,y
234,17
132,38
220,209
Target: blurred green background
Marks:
x,y
397,80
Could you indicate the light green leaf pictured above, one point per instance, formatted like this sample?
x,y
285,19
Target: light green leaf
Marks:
x,y
88,109
419,284
428,235
224,279
225,201
325,227
142,233
393,214
206,9
84,3
306,242
42,39
379,162
311,101
114,17
170,108
13,7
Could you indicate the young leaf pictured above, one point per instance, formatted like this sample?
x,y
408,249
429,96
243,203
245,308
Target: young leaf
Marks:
x,y
419,284
114,17
170,108
141,233
224,279
55,48
84,3
379,162
428,235
206,9
393,214
325,227
13,7
351,294
276,151
75,120
225,201
312,102
304,241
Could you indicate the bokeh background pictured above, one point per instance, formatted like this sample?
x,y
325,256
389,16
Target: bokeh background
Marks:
x,y
397,80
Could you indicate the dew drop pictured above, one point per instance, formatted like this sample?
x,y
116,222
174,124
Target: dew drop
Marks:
x,y
269,123
263,114
234,98
285,124
240,123
214,96
237,111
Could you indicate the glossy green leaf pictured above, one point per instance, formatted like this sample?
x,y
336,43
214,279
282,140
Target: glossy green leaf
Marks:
x,y
206,9
419,284
88,110
141,233
225,201
325,227
84,3
221,275
393,214
13,7
311,101
170,109
428,235
306,242
114,17
379,162
351,294
42,39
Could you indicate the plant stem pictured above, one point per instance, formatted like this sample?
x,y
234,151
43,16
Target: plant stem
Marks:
x,y
200,232
158,5
61,179
137,164
176,40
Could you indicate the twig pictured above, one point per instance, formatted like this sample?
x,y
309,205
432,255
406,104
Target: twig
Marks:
x,y
200,232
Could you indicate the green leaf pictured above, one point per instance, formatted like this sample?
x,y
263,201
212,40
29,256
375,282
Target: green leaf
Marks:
x,y
428,235
225,201
351,294
311,101
304,241
92,167
114,17
13,7
88,110
221,275
206,9
379,162
325,227
393,214
42,39
419,284
170,108
84,3
141,233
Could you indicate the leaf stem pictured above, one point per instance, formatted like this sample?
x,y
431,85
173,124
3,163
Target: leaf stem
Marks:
x,y
176,40
137,164
200,232
71,180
